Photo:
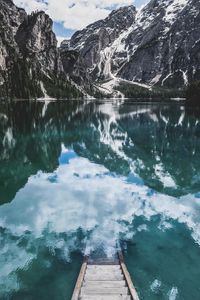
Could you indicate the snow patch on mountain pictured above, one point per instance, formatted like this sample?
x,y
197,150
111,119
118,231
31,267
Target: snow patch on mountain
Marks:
x,y
173,8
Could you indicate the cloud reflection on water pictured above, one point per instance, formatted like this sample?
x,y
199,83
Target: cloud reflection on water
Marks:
x,y
90,200
87,196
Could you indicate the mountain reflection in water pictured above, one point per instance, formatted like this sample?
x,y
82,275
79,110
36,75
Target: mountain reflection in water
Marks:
x,y
77,177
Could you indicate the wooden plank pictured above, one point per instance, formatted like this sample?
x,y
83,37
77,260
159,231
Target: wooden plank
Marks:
x,y
103,272
105,269
118,283
105,291
107,277
109,267
102,262
128,279
104,297
79,282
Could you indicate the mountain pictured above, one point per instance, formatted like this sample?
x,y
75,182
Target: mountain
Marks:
x,y
30,64
156,46
151,52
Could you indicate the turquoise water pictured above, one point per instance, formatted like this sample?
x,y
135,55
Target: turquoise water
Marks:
x,y
84,177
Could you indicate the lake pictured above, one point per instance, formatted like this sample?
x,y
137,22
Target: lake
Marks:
x,y
90,177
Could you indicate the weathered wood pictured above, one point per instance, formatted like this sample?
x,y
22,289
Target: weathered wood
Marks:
x,y
104,291
104,272
103,262
103,267
113,283
79,282
104,297
104,277
128,279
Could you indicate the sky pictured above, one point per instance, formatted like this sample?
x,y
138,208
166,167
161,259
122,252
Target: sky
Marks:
x,y
72,15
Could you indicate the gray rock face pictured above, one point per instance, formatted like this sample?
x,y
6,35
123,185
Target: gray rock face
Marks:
x,y
37,41
164,44
92,43
159,45
10,19
30,64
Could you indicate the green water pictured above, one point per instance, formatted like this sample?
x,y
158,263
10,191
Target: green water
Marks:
x,y
88,177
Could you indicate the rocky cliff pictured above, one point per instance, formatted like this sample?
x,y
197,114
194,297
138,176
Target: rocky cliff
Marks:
x,y
30,64
156,46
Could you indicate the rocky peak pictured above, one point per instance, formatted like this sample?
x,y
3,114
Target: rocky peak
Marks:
x,y
94,41
30,64
10,20
117,21
11,15
168,10
35,34
158,45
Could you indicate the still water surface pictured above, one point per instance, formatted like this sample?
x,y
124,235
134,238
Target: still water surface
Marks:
x,y
83,177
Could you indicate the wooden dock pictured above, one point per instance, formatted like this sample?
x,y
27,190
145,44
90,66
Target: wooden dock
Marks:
x,y
104,279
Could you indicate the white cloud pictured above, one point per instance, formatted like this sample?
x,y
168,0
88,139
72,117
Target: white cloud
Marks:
x,y
31,5
84,195
74,15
